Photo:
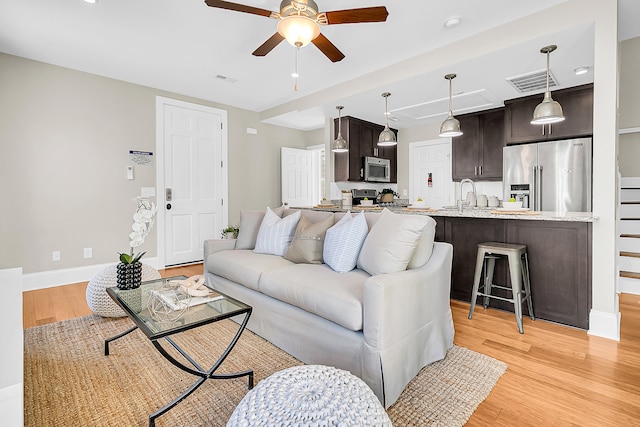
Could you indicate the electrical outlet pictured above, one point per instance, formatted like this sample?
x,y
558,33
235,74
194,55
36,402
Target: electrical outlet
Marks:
x,y
55,256
404,192
88,252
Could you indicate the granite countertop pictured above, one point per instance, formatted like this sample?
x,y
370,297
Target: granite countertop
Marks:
x,y
483,213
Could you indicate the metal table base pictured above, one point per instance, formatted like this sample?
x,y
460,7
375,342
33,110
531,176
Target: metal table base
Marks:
x,y
203,374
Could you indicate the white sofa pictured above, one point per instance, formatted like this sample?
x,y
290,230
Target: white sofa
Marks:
x,y
383,328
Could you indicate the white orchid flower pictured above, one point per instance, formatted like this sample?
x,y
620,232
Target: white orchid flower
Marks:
x,y
142,223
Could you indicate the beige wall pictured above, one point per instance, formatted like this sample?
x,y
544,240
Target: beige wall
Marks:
x,y
629,107
65,138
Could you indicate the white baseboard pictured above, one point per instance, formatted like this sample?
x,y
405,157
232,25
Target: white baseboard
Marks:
x,y
48,279
605,325
11,404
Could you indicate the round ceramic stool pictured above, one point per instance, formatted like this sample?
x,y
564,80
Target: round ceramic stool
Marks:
x,y
310,395
98,299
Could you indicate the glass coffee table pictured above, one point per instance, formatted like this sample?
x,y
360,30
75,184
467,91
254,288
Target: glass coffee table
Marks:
x,y
141,306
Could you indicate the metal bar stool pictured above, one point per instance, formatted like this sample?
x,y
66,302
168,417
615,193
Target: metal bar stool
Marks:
x,y
518,261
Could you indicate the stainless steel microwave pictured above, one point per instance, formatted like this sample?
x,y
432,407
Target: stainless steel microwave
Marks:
x,y
377,169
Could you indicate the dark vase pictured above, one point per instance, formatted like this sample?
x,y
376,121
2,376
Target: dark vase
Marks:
x,y
129,276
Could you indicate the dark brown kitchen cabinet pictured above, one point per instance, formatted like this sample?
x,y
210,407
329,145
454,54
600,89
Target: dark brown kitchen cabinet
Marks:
x,y
465,234
362,137
439,235
477,153
559,263
559,267
577,105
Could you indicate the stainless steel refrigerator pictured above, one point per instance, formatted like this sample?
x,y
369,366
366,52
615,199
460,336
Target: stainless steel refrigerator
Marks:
x,y
549,176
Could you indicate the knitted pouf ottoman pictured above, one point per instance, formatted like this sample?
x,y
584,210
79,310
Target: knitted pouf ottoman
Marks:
x,y
310,395
98,300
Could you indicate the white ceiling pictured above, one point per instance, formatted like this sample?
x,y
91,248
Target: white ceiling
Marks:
x,y
182,45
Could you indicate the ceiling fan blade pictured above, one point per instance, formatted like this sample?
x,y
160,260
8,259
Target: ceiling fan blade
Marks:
x,y
328,48
238,7
353,16
268,46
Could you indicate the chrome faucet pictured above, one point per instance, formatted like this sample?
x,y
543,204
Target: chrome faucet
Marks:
x,y
473,186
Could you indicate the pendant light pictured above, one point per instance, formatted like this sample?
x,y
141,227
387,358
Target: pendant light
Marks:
x,y
340,144
451,126
387,137
548,111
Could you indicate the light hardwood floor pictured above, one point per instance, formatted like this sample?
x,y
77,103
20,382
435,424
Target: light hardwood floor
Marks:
x,y
557,376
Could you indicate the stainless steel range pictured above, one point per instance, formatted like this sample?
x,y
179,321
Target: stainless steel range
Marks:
x,y
359,194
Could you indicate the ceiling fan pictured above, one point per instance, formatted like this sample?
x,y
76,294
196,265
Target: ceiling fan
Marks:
x,y
299,23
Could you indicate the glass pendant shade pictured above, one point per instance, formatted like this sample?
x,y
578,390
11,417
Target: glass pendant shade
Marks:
x,y
340,144
451,126
387,137
548,111
298,30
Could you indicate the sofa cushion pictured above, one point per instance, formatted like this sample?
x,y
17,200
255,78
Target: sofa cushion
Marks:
x,y
275,234
343,241
249,226
243,266
308,241
424,248
391,242
318,289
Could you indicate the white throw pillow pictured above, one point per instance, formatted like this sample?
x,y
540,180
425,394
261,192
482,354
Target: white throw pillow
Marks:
x,y
275,234
424,248
343,241
391,242
249,226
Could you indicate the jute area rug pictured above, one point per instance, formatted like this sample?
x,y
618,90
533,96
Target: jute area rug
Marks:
x,y
69,382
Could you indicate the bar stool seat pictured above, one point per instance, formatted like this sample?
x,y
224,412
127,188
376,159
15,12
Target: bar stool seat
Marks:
x,y
518,260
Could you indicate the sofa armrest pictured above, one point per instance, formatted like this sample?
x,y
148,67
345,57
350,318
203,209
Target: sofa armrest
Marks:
x,y
397,305
216,245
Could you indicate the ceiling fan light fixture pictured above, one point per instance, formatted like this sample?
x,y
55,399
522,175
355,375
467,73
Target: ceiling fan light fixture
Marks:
x,y
340,144
451,126
298,30
548,111
387,137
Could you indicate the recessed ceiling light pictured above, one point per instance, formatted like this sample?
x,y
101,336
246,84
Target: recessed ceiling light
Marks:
x,y
452,22
581,70
226,79
91,1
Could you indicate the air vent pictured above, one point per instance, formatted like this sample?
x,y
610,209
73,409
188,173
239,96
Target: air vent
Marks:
x,y
226,79
532,82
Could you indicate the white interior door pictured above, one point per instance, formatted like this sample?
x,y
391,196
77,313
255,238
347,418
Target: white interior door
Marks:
x,y
299,177
431,158
194,187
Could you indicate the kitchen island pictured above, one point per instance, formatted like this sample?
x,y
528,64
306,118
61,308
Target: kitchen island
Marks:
x,y
559,250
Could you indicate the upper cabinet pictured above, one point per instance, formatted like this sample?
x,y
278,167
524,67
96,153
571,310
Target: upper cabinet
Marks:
x,y
477,153
362,137
577,105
